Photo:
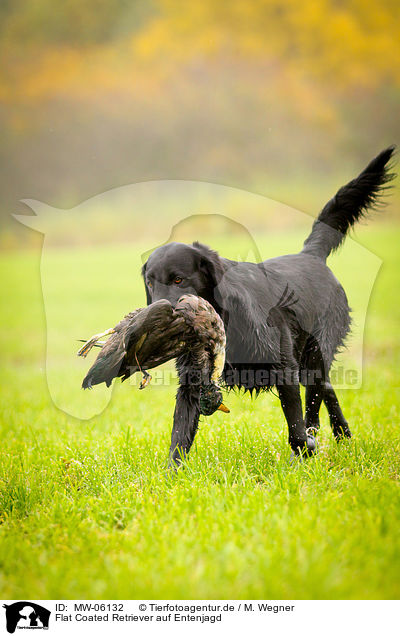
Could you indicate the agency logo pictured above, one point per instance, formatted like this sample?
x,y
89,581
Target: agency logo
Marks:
x,y
26,615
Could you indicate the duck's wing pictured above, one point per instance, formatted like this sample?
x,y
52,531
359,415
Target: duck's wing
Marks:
x,y
158,335
143,340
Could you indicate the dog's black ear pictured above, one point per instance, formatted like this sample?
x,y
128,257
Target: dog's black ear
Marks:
x,y
210,265
148,295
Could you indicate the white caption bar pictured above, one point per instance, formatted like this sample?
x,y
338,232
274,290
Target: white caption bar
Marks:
x,y
176,617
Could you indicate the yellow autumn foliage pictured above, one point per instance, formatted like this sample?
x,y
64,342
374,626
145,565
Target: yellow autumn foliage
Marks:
x,y
341,44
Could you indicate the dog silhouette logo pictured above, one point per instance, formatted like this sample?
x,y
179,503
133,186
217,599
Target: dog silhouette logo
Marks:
x,y
26,615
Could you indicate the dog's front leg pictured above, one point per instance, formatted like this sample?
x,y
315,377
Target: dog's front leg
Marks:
x,y
301,443
186,421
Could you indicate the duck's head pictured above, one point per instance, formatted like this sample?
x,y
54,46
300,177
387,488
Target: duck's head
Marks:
x,y
211,400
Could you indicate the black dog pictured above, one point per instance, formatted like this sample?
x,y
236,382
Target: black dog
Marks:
x,y
285,318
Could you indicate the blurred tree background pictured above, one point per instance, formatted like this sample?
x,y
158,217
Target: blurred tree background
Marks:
x,y
264,95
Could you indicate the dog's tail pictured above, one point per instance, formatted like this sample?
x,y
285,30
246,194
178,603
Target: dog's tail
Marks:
x,y
349,205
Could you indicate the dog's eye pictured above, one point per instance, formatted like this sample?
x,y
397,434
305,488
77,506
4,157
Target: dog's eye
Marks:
x,y
177,280
149,284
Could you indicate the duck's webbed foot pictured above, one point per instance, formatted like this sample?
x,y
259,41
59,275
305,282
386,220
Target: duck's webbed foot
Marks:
x,y
84,350
146,379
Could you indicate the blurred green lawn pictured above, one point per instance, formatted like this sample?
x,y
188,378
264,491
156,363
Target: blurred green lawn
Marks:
x,y
86,508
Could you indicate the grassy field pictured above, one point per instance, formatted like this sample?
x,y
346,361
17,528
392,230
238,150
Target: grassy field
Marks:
x,y
86,508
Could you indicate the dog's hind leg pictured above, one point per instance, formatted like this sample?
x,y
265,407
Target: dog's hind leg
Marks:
x,y
313,377
340,427
314,397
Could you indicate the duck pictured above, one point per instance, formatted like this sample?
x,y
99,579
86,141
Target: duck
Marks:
x,y
190,331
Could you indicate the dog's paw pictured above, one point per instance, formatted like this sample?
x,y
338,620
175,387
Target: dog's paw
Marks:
x,y
311,445
341,431
303,450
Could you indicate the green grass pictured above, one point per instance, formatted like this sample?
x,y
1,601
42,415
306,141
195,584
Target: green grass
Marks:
x,y
86,507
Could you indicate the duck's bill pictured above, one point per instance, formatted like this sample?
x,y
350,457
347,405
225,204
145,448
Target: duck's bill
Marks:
x,y
223,408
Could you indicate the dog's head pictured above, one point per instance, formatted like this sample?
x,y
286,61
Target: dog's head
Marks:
x,y
176,269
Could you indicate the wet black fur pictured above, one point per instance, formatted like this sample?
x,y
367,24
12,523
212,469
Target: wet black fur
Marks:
x,y
285,318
